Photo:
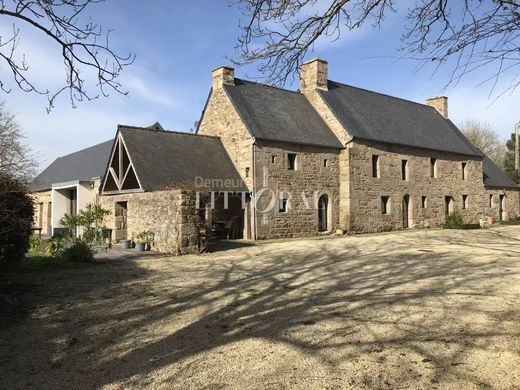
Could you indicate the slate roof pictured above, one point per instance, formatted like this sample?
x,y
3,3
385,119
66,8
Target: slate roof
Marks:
x,y
494,176
164,158
83,165
276,114
377,117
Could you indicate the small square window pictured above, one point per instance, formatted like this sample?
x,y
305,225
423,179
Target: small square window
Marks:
x,y
463,169
385,205
291,161
283,206
325,163
424,202
375,166
464,202
433,167
404,169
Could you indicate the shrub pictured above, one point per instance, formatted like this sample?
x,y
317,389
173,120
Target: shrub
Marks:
x,y
55,247
16,218
454,219
79,252
35,243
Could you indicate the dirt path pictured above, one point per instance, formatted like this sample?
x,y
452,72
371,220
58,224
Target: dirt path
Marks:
x,y
417,310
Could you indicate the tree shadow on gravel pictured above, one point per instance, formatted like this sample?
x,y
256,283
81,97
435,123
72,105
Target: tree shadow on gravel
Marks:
x,y
330,301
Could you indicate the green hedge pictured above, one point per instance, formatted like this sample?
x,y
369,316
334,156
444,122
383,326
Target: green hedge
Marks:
x,y
511,222
465,226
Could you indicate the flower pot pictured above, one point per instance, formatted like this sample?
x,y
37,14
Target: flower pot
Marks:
x,y
140,246
148,247
490,220
125,244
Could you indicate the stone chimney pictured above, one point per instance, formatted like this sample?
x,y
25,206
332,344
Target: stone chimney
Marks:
x,y
440,104
223,75
314,74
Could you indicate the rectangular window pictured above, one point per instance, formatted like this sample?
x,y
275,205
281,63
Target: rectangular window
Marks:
x,y
325,163
282,208
273,159
424,202
385,205
464,202
463,169
375,166
491,201
433,167
291,161
404,169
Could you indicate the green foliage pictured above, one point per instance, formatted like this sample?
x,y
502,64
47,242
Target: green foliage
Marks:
x,y
16,218
89,220
35,243
78,252
509,160
146,236
454,218
84,232
55,247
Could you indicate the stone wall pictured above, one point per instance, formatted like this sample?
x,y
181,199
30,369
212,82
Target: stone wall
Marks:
x,y
220,119
310,176
163,212
42,211
511,203
366,190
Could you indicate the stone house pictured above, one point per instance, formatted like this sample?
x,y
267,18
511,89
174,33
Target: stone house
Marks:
x,y
67,185
373,162
268,162
156,179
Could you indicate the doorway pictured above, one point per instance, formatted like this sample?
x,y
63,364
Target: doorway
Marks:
x,y
121,220
501,211
406,211
448,205
323,211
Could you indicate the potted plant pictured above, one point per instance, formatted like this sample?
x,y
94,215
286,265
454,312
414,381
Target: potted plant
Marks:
x,y
126,244
144,240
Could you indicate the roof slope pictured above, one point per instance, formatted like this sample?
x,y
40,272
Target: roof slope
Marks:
x,y
163,158
377,117
83,165
494,176
277,114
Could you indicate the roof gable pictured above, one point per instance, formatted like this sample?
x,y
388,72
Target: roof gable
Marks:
x,y
165,158
83,165
276,114
377,117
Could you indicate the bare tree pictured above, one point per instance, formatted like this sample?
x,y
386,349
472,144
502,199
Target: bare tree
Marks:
x,y
82,45
16,158
482,136
278,34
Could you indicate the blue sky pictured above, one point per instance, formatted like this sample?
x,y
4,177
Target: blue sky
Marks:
x,y
178,43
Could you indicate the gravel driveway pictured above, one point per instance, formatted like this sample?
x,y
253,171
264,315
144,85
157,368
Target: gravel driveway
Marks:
x,y
410,310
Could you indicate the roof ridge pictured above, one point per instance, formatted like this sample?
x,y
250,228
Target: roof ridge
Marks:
x,y
380,93
166,131
269,86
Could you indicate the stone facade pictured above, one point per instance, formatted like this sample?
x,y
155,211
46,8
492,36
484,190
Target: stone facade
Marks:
x,y
316,174
166,213
42,211
510,201
366,191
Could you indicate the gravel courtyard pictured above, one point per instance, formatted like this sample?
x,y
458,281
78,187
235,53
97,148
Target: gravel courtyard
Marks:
x,y
427,309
